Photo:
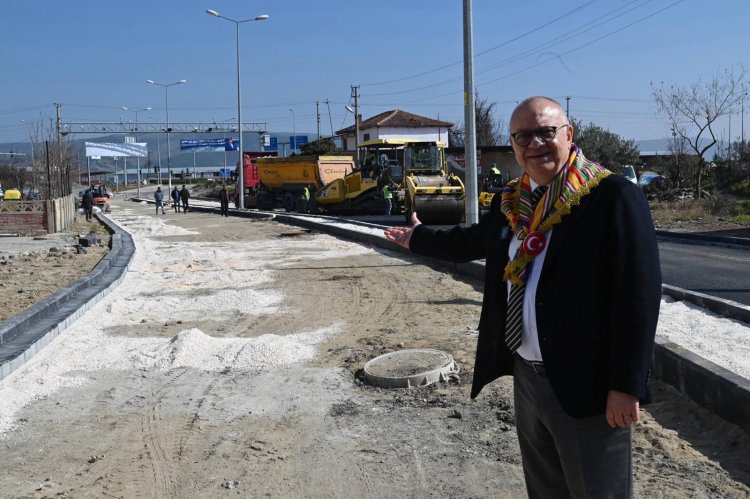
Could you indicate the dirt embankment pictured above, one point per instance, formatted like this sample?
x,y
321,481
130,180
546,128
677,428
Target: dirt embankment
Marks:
x,y
45,265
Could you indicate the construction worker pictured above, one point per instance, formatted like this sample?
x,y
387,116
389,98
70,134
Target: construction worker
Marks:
x,y
184,196
304,199
87,202
388,197
496,177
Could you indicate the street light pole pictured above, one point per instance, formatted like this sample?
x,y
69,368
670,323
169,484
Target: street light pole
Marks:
x,y
241,152
166,106
136,111
294,133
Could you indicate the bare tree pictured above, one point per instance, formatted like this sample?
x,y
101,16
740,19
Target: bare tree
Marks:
x,y
681,164
55,160
692,110
490,129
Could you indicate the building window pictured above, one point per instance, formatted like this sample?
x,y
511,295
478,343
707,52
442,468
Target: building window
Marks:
x,y
366,137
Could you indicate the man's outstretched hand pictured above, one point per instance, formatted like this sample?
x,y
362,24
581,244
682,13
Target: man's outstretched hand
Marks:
x,y
402,235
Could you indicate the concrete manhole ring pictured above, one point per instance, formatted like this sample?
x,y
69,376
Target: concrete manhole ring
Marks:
x,y
407,368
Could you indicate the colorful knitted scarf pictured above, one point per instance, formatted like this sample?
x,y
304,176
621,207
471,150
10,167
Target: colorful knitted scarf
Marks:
x,y
571,184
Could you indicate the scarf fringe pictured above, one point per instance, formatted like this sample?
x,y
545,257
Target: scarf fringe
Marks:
x,y
515,267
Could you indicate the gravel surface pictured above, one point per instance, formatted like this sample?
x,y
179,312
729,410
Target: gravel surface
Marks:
x,y
229,361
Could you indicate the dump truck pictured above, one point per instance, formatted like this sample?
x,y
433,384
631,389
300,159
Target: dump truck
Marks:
x,y
281,180
417,168
250,178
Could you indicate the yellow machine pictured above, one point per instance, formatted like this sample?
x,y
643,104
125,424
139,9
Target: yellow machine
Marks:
x,y
418,170
354,193
12,195
491,184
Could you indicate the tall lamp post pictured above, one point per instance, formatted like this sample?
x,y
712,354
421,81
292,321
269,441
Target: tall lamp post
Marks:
x,y
136,111
294,132
166,107
239,99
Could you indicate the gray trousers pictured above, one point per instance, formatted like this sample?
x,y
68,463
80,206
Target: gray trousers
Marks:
x,y
563,456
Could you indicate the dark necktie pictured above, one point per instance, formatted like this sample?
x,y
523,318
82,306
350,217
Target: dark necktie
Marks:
x,y
514,318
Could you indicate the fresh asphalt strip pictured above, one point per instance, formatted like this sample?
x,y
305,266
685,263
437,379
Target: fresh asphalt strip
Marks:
x,y
713,387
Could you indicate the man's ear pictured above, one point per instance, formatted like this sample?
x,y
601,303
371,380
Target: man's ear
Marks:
x,y
570,132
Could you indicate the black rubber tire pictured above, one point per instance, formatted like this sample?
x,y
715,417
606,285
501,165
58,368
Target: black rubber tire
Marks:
x,y
407,209
290,203
265,201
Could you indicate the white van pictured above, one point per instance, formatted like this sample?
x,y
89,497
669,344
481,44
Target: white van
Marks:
x,y
628,171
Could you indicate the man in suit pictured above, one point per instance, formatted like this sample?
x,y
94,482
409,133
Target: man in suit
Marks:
x,y
571,300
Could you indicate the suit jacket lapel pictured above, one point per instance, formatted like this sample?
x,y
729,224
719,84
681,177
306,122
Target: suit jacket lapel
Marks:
x,y
561,231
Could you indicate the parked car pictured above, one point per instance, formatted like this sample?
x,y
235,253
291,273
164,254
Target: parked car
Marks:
x,y
652,182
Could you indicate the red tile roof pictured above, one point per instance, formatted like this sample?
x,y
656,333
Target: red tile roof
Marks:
x,y
396,118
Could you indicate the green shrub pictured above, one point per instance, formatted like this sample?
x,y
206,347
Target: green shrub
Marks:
x,y
742,207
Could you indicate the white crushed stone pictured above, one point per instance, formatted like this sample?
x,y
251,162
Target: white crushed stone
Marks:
x,y
195,349
725,342
168,280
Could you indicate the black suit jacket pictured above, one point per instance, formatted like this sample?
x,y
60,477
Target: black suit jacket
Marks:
x,y
597,301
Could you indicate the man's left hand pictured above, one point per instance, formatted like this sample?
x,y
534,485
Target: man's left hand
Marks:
x,y
622,409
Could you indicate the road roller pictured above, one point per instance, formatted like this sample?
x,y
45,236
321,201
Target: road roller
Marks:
x,y
418,171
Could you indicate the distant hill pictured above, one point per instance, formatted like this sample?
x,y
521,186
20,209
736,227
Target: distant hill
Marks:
x,y
157,147
663,146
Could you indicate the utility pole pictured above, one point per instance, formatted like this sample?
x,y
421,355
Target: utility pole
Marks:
x,y
355,94
470,137
330,120
742,118
567,106
317,113
58,122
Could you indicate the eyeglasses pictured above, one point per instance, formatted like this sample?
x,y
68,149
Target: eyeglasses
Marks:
x,y
544,134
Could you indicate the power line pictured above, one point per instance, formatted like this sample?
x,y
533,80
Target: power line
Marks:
x,y
556,56
507,42
581,29
587,44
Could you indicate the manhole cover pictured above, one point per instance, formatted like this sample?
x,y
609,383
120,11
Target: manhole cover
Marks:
x,y
407,368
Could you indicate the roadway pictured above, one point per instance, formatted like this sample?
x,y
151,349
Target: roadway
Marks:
x,y
712,270
722,272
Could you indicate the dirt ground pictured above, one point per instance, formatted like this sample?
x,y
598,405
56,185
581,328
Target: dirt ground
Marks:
x,y
35,268
311,429
717,226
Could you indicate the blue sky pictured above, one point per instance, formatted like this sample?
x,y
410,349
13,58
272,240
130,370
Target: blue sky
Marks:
x,y
93,57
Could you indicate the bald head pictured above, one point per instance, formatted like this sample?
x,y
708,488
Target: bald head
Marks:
x,y
545,135
524,104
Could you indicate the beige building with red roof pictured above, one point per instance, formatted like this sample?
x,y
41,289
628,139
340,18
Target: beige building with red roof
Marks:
x,y
395,124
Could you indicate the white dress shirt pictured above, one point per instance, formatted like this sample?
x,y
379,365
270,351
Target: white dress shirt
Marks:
x,y
529,348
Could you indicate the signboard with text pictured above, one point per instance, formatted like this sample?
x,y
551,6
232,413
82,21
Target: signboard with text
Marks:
x,y
297,140
273,144
214,145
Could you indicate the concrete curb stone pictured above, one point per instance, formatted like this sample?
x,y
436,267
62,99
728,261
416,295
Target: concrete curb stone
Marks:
x,y
25,334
